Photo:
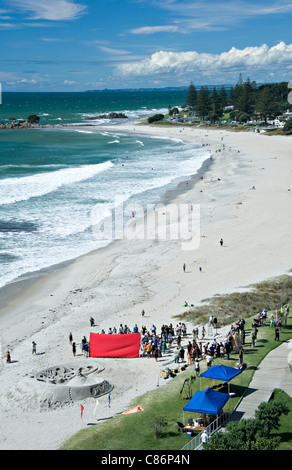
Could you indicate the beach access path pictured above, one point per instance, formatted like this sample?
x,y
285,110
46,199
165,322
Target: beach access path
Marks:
x,y
273,372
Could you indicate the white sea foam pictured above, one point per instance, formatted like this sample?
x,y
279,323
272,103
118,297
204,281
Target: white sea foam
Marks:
x,y
83,132
21,189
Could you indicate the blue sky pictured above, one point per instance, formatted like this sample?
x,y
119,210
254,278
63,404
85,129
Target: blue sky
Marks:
x,y
70,45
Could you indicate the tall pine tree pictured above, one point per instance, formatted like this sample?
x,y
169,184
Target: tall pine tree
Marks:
x,y
191,97
203,102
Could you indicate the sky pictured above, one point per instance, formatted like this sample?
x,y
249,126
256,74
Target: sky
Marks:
x,y
78,45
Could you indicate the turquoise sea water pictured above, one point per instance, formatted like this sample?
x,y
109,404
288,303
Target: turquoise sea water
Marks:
x,y
56,183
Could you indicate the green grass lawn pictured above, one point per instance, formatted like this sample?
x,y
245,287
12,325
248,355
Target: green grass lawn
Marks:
x,y
285,431
136,431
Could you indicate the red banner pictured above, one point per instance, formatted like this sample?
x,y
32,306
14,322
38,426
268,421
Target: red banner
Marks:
x,y
124,346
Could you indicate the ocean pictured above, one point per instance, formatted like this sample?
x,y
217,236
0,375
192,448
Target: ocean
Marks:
x,y
58,183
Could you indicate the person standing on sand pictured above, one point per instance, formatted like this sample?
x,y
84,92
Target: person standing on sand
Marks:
x,y
74,349
34,348
155,353
221,242
177,355
184,267
70,338
8,357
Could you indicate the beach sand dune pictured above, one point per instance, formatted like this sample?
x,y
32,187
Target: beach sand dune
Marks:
x,y
243,198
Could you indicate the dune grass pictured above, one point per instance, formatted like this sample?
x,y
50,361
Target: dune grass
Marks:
x,y
226,308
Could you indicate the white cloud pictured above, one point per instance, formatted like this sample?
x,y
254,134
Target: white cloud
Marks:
x,y
110,50
69,82
247,60
33,81
54,10
210,15
154,29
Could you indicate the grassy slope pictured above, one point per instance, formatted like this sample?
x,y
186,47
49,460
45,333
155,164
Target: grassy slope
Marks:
x,y
135,432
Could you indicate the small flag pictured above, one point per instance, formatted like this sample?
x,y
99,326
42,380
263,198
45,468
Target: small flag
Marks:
x,y
82,408
95,408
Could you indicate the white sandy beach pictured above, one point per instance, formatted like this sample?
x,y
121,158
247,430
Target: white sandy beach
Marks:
x,y
115,283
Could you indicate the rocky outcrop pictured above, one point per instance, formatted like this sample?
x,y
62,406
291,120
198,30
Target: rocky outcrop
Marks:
x,y
108,116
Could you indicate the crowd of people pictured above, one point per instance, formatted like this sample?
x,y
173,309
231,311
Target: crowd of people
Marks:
x,y
169,339
156,343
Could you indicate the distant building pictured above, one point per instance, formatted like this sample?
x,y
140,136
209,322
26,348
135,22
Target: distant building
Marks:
x,y
287,115
228,108
277,123
280,120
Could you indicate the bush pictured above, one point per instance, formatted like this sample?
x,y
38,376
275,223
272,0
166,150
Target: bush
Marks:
x,y
155,118
33,119
288,126
158,426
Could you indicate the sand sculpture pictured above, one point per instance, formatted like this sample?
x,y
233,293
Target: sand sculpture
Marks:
x,y
60,385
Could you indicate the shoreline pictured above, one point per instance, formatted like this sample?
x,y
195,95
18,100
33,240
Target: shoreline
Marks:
x,y
116,282
28,280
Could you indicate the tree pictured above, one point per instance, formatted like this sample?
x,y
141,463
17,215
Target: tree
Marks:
x,y
288,126
203,102
191,97
238,436
215,105
156,117
265,104
269,415
223,96
253,433
245,100
33,119
243,96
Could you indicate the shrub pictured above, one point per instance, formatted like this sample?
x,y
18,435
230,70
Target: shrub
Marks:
x,y
155,118
33,119
158,426
288,126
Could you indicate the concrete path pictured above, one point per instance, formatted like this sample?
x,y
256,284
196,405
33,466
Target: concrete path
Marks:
x,y
273,372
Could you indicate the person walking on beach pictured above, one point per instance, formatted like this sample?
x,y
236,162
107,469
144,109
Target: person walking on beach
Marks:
x,y
70,338
8,357
221,242
33,348
74,349
184,268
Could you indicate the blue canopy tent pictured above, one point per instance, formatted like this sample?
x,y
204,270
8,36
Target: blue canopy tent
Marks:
x,y
207,402
223,373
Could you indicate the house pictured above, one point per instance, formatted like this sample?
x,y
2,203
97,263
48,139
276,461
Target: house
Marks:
x,y
287,115
228,108
280,120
